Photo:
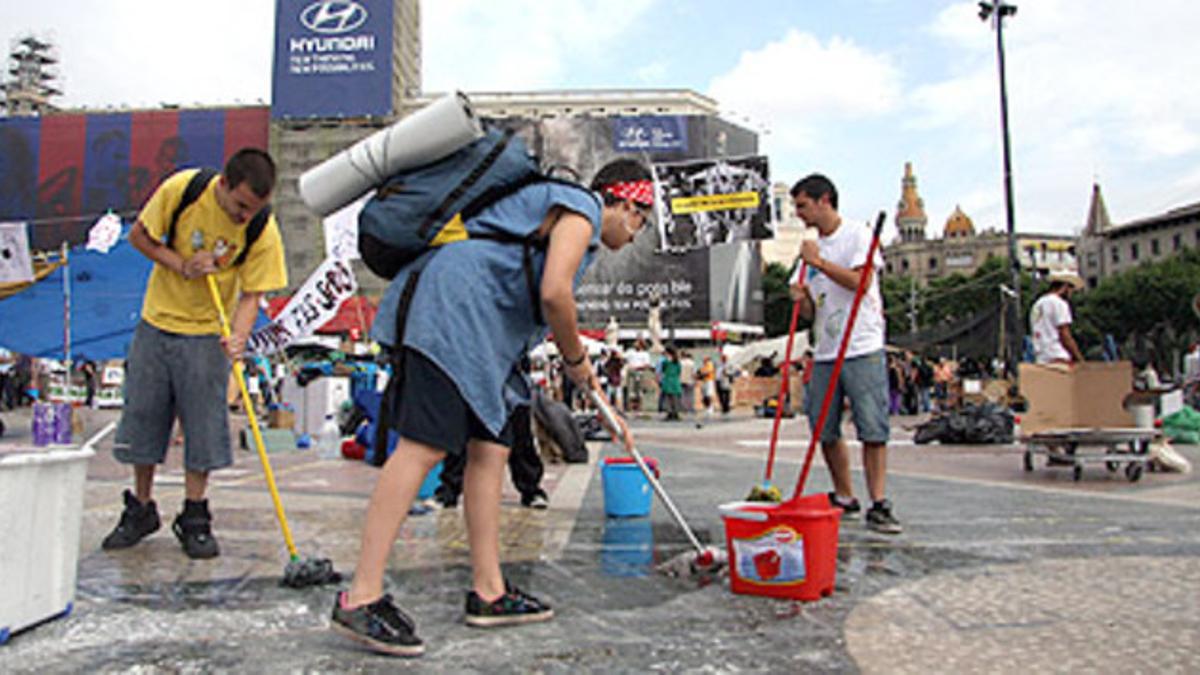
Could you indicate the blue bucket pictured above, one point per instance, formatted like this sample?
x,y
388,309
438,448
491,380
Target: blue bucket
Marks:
x,y
626,490
628,547
432,480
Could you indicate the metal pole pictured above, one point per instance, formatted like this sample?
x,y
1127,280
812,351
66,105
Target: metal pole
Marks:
x,y
66,260
999,10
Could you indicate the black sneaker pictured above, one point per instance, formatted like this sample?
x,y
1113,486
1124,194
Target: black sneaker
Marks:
x,y
848,505
536,500
193,528
381,626
137,522
511,608
880,518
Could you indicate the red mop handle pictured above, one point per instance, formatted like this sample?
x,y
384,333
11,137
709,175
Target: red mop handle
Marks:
x,y
863,279
783,387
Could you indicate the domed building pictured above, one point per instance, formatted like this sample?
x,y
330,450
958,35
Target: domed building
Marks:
x,y
961,249
959,225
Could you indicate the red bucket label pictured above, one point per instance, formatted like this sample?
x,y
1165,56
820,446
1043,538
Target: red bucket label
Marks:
x,y
775,557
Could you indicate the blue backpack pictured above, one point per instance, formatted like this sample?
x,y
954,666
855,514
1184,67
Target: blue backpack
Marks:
x,y
432,205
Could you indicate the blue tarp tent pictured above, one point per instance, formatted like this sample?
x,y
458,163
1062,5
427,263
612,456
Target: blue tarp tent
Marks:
x,y
106,299
106,302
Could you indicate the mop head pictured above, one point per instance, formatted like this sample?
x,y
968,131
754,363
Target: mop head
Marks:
x,y
311,572
767,493
708,563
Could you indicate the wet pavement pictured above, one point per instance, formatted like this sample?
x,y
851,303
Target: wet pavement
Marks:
x,y
997,568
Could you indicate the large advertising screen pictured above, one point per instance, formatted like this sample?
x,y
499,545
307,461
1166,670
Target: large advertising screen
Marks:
x,y
693,286
333,58
60,173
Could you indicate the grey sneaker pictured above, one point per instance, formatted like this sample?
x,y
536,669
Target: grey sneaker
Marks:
x,y
513,607
137,522
880,518
381,626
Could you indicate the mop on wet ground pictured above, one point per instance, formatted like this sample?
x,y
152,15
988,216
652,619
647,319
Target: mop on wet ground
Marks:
x,y
299,573
766,492
700,559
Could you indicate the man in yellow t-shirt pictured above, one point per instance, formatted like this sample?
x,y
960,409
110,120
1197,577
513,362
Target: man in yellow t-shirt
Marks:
x,y
178,364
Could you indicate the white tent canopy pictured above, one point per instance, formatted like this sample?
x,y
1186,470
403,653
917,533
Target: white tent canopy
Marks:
x,y
745,356
547,348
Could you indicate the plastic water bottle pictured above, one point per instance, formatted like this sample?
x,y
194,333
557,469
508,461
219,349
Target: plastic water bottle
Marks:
x,y
329,438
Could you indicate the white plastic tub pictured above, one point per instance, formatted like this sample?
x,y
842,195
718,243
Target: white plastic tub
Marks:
x,y
41,509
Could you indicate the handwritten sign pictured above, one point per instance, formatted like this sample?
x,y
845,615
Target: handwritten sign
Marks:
x,y
310,308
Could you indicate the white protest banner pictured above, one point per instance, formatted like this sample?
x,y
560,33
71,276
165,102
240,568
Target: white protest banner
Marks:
x,y
341,230
310,308
15,263
105,233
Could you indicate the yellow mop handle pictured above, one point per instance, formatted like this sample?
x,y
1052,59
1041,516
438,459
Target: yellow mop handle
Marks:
x,y
239,372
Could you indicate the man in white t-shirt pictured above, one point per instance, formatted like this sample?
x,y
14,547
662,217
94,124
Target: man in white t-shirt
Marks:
x,y
1050,321
835,264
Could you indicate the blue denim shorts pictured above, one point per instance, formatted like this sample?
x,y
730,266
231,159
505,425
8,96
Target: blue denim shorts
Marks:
x,y
169,376
864,381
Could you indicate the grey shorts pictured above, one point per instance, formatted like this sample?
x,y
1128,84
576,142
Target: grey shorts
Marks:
x,y
864,380
169,376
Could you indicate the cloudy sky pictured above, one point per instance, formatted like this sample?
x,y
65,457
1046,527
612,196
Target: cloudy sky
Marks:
x,y
1097,88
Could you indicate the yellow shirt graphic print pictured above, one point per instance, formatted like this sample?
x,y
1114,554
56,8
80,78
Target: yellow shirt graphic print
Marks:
x,y
183,306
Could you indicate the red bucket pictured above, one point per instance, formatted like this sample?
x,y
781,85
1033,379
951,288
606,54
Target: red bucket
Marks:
x,y
782,550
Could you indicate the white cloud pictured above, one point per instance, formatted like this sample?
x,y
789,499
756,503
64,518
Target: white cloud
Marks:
x,y
1095,87
143,52
801,78
519,44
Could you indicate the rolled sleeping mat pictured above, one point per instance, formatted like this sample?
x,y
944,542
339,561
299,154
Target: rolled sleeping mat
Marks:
x,y
429,134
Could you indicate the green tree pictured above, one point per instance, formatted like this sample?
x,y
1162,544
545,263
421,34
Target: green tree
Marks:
x,y
777,301
1151,302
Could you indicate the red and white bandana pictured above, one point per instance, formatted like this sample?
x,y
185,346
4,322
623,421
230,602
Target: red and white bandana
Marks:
x,y
637,191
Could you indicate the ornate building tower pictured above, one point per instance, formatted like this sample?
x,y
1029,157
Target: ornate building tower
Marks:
x,y
958,226
910,211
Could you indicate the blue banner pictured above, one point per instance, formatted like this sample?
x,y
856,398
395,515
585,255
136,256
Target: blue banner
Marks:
x,y
650,133
203,136
333,58
106,163
19,145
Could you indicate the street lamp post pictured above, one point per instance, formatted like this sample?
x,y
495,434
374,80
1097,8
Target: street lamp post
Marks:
x,y
996,10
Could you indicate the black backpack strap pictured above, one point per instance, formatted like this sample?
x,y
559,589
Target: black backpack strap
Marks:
x,y
254,230
442,213
195,187
383,422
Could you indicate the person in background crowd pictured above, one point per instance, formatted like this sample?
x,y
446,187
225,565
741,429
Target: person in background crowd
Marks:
x,y
687,382
1050,321
614,368
88,368
672,389
727,375
708,386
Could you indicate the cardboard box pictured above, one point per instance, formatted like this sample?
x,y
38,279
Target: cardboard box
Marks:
x,y
1085,395
281,418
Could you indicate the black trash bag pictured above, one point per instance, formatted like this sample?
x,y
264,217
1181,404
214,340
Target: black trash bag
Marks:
x,y
562,428
969,425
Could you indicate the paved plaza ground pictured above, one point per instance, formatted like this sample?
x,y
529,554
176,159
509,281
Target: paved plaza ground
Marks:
x,y
997,570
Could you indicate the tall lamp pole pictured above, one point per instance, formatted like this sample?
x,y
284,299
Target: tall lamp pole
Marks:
x,y
995,11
